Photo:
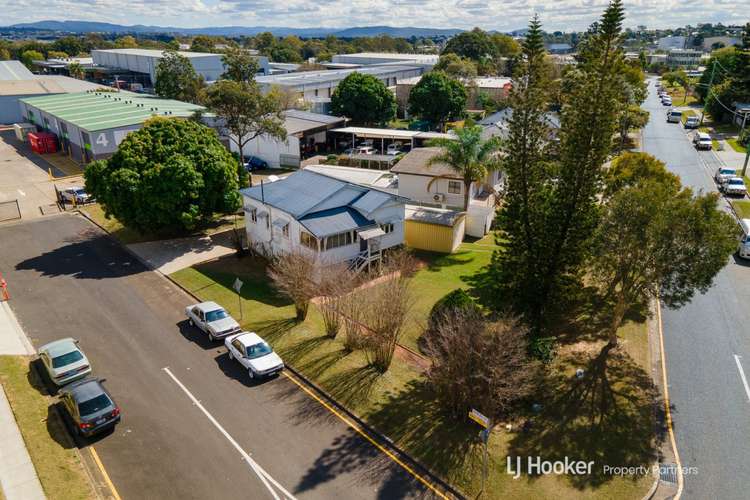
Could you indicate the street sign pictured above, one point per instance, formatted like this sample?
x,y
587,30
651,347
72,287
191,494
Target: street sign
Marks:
x,y
237,285
479,418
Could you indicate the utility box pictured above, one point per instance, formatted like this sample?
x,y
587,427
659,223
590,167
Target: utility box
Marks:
x,y
22,129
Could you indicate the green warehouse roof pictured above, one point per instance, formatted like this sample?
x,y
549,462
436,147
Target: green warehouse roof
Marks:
x,y
94,110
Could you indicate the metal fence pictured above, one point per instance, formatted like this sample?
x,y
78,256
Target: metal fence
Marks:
x,y
9,210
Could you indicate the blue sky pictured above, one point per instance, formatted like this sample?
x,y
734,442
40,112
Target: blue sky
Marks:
x,y
488,14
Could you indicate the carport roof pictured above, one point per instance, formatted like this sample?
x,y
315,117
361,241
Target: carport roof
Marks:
x,y
93,111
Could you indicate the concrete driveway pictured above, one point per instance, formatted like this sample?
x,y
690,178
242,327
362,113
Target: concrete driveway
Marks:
x,y
194,425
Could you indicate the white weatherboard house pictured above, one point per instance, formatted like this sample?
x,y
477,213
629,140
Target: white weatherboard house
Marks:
x,y
335,220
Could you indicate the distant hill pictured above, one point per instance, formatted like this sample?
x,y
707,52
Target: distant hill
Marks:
x,y
91,26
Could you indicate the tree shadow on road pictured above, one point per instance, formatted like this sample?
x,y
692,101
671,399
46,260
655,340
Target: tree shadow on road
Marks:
x,y
607,416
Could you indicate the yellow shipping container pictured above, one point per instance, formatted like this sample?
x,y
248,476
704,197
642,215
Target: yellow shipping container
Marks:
x,y
433,229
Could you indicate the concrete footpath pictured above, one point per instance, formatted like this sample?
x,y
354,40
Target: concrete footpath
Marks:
x,y
18,479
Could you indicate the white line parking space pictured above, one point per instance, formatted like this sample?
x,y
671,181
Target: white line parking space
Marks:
x,y
259,471
742,376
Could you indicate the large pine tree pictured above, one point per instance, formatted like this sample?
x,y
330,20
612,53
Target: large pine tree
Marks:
x,y
516,267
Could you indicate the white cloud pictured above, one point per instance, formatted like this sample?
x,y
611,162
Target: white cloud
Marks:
x,y
488,14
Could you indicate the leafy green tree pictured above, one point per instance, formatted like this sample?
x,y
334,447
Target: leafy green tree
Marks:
x,y
437,98
75,70
475,45
126,42
589,120
456,66
364,99
56,54
632,117
468,155
172,175
240,65
176,78
514,274
629,169
4,54
245,113
505,45
202,43
657,240
285,54
642,60
29,56
69,44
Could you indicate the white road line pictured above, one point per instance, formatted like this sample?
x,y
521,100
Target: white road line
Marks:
x,y
261,473
742,376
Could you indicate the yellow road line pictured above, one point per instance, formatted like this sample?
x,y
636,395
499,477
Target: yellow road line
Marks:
x,y
362,433
107,480
680,480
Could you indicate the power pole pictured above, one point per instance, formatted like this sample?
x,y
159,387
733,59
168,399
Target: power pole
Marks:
x,y
708,92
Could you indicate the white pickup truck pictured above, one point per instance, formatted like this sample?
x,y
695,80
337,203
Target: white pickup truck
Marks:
x,y
212,319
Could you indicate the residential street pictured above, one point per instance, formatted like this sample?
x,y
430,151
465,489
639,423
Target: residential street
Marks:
x,y
194,426
706,343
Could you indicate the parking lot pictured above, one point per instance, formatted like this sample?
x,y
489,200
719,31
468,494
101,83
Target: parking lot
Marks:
x,y
194,425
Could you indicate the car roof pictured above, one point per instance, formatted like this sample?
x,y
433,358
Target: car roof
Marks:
x,y
704,135
86,389
60,347
249,338
208,306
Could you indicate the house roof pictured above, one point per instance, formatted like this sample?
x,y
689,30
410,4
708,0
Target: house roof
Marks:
x,y
416,162
14,70
333,221
48,84
381,179
429,215
93,111
296,121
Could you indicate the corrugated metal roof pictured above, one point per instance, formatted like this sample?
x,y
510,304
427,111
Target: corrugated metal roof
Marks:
x,y
431,215
155,53
14,70
302,121
315,77
371,201
29,87
417,162
334,221
93,111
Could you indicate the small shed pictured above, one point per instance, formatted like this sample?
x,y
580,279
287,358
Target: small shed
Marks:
x,y
433,229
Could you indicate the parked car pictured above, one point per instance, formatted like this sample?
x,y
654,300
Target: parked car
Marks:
x,y
393,149
254,163
674,116
75,194
64,361
723,174
743,248
254,354
212,319
692,122
89,406
734,186
666,101
364,150
702,140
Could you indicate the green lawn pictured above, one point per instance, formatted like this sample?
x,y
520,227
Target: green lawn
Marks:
x,y
401,405
736,145
51,449
742,207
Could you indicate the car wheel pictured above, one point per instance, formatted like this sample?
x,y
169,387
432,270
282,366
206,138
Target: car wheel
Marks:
x,y
250,373
231,356
192,323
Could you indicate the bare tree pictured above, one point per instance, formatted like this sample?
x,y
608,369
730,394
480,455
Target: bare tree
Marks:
x,y
336,282
293,275
481,364
352,306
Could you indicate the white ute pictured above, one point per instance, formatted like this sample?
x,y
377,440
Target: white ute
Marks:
x,y
212,319
254,354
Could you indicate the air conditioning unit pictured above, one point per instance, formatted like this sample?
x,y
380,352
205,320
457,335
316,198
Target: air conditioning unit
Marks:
x,y
438,197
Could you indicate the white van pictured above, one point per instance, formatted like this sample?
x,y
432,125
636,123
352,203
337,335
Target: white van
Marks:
x,y
743,249
674,116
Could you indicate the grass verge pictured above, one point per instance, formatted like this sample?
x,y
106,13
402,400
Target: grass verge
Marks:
x,y
736,145
50,447
742,207
606,417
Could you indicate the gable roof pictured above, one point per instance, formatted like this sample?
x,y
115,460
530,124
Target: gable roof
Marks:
x,y
334,221
416,162
14,70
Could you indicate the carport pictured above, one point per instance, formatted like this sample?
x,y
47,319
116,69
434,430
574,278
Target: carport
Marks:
x,y
413,137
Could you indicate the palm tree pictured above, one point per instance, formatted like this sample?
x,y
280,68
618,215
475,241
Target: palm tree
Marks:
x,y
76,71
469,155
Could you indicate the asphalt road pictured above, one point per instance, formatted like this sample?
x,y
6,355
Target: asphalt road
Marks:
x,y
711,405
68,279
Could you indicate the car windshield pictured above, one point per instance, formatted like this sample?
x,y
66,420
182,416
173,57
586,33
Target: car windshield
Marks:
x,y
66,359
258,350
216,315
79,191
94,405
735,181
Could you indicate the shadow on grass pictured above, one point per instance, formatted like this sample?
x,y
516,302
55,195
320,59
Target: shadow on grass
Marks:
x,y
436,262
607,416
274,329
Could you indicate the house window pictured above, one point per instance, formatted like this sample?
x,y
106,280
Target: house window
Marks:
x,y
339,240
387,228
308,240
253,215
454,187
285,231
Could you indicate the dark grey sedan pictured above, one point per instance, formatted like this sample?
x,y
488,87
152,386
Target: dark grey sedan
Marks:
x,y
90,407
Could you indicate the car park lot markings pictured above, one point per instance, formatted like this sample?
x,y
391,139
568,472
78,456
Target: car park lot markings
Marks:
x,y
742,376
259,471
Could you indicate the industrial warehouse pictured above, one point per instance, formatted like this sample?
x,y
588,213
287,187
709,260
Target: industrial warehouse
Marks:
x,y
90,125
